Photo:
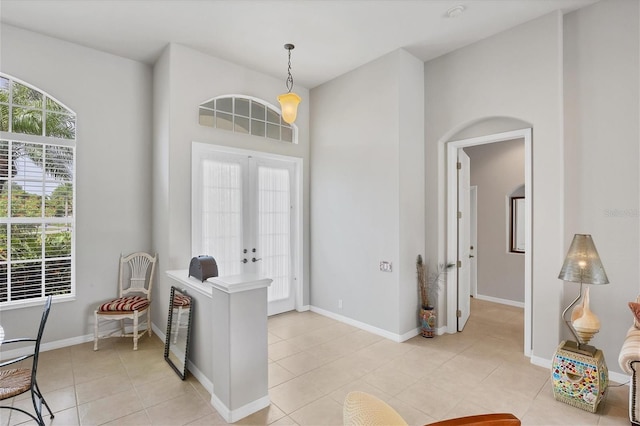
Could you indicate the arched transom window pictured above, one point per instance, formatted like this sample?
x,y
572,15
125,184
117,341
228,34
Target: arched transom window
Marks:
x,y
244,114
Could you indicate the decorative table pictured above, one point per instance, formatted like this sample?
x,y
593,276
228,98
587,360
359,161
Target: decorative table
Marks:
x,y
579,378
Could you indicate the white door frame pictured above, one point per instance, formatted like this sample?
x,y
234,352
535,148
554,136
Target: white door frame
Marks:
x,y
297,245
473,211
452,237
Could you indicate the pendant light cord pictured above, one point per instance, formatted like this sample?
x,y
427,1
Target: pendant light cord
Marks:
x,y
289,77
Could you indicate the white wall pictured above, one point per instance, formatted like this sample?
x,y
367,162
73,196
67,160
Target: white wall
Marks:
x,y
497,169
183,79
517,73
602,44
112,99
366,187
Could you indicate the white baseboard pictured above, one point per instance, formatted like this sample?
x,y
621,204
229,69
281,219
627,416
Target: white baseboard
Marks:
x,y
303,308
366,327
501,301
48,346
232,416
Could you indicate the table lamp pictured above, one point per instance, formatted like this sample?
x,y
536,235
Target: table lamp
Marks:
x,y
582,265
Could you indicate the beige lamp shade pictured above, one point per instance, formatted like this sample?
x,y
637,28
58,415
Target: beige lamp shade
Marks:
x,y
582,264
289,105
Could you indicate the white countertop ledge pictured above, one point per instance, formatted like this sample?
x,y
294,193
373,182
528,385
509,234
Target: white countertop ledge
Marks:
x,y
229,284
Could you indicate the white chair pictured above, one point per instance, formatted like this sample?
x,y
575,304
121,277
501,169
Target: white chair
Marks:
x,y
135,281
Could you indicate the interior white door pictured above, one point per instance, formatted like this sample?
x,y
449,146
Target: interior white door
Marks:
x,y
246,220
464,239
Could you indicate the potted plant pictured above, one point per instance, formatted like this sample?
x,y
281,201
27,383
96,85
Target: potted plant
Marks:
x,y
429,284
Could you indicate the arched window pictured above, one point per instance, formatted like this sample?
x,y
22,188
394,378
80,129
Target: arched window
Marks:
x,y
245,114
37,194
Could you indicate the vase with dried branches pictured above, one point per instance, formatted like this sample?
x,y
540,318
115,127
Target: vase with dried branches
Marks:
x,y
428,285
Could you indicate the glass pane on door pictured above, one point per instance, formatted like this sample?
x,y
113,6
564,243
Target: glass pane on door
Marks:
x,y
222,214
274,230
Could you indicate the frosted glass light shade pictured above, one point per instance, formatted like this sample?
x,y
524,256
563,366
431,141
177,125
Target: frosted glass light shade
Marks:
x,y
289,105
582,264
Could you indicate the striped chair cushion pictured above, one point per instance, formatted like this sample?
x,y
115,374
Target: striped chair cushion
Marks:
x,y
125,304
179,300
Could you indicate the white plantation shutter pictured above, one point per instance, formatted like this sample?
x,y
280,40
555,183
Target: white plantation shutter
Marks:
x,y
274,233
36,222
222,214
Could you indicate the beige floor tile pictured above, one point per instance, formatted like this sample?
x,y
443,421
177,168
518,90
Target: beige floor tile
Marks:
x,y
314,338
102,387
617,395
272,338
58,379
204,393
324,411
109,408
481,369
55,357
294,394
389,378
210,419
265,416
499,400
386,349
282,349
525,381
419,362
152,371
153,393
545,411
89,356
330,351
278,374
68,417
613,415
300,363
139,418
88,371
179,411
290,330
329,377
285,421
429,399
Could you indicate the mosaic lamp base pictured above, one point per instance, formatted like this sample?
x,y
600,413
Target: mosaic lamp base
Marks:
x,y
579,379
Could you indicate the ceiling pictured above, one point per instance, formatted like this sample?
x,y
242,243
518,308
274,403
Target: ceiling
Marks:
x,y
331,36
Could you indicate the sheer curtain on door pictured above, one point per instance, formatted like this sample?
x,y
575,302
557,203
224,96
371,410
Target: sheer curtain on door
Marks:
x,y
222,214
274,229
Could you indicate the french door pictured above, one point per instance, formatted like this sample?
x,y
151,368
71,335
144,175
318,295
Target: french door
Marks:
x,y
243,216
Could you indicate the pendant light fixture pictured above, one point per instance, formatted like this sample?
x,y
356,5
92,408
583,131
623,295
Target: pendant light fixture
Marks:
x,y
289,101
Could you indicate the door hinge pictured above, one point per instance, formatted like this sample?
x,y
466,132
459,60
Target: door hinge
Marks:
x,y
459,215
459,165
459,263
459,313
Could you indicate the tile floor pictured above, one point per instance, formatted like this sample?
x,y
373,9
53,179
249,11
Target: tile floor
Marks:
x,y
314,362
